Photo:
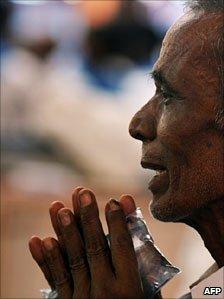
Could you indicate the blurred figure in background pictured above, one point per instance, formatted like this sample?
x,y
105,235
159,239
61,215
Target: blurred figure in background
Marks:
x,y
56,85
118,44
5,12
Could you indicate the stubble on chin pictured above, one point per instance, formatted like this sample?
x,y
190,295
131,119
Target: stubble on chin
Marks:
x,y
167,209
161,212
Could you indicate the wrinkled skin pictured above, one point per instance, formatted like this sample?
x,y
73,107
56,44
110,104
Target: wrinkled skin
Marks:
x,y
182,135
80,264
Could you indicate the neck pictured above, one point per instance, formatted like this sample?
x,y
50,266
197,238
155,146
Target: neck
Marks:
x,y
209,223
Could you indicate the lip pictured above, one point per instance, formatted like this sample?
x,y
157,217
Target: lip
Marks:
x,y
160,182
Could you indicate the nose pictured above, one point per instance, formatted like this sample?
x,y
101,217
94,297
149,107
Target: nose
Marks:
x,y
142,127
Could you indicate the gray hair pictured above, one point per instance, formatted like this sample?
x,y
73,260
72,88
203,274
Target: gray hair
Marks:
x,y
206,5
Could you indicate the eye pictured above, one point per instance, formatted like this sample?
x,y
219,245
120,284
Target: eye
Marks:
x,y
167,98
167,94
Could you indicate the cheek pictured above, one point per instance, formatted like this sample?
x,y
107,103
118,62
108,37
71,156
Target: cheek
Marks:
x,y
201,178
170,131
178,125
195,182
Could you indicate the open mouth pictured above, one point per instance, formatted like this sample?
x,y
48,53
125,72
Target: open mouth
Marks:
x,y
160,181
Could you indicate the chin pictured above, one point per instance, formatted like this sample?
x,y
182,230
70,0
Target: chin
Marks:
x,y
165,209
183,198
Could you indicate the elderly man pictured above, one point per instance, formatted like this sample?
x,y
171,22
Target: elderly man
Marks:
x,y
181,129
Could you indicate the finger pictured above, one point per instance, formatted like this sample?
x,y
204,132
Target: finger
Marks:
x,y
75,201
122,250
127,204
53,257
96,245
76,253
37,254
76,207
53,210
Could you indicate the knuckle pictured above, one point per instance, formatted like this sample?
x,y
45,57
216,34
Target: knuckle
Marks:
x,y
99,252
95,240
61,278
77,263
96,244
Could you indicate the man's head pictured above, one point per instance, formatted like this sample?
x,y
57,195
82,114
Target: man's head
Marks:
x,y
182,126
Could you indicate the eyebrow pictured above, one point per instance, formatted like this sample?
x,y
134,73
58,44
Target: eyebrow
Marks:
x,y
161,79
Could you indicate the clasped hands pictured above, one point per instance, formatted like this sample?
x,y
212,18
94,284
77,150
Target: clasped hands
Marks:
x,y
80,264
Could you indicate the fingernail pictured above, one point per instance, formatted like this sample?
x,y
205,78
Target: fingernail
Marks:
x,y
65,218
48,244
114,204
85,199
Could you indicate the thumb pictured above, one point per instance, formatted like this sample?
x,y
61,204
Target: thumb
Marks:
x,y
128,204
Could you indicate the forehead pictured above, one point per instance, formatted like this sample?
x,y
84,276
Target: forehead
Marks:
x,y
187,45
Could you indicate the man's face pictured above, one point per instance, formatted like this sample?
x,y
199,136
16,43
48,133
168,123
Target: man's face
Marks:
x,y
177,126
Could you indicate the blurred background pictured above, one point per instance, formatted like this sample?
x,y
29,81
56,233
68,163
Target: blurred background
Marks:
x,y
73,73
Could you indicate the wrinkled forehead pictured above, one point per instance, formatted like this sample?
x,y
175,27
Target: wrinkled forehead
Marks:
x,y
189,43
